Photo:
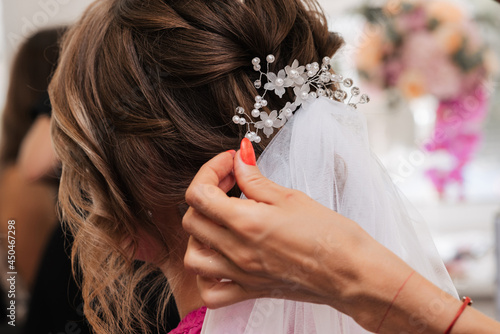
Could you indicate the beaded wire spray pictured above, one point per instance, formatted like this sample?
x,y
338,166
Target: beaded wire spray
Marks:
x,y
308,82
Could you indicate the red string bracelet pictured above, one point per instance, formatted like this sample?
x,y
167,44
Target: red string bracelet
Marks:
x,y
466,301
393,300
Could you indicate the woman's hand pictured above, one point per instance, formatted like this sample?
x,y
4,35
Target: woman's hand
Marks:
x,y
282,244
279,243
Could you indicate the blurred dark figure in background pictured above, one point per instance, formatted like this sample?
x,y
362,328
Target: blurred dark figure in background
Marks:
x,y
29,179
28,191
25,196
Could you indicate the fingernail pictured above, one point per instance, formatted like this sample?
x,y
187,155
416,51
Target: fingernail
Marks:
x,y
232,152
247,152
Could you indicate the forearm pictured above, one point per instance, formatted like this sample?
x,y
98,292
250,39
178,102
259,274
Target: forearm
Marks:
x,y
385,295
422,307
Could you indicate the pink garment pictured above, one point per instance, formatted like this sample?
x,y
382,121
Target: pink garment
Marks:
x,y
192,323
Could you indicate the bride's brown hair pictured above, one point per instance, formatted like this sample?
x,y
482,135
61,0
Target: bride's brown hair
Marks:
x,y
143,96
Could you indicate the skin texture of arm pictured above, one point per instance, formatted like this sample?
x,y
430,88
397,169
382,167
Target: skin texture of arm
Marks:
x,y
282,244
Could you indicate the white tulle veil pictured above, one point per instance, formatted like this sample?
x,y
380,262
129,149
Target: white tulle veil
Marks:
x,y
323,151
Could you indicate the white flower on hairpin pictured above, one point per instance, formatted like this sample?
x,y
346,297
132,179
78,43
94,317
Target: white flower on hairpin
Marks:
x,y
278,83
295,72
301,94
269,122
288,110
302,79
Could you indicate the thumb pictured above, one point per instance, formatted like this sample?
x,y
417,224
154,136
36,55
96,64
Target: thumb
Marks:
x,y
249,179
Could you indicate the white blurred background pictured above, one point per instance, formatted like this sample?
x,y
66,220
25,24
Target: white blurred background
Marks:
x,y
460,226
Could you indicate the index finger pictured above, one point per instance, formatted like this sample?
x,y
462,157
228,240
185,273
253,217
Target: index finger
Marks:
x,y
205,193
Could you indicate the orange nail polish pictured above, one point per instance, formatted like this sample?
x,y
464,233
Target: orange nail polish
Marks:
x,y
247,152
232,152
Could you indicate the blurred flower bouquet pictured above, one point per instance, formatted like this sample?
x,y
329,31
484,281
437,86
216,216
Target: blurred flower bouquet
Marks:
x,y
419,47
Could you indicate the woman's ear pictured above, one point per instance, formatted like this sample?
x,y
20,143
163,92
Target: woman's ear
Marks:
x,y
149,245
148,248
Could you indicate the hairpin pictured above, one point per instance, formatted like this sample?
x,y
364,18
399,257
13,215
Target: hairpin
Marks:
x,y
308,82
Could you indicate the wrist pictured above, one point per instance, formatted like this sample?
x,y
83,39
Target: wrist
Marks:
x,y
339,280
421,308
386,296
382,279
366,281
361,275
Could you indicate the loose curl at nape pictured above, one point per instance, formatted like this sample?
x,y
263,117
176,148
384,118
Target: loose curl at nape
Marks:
x,y
143,96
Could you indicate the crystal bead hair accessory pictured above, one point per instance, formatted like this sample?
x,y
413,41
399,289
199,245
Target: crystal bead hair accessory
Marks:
x,y
308,82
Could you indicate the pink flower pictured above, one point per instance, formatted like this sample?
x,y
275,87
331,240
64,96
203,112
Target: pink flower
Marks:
x,y
420,49
443,79
393,69
458,133
412,21
422,53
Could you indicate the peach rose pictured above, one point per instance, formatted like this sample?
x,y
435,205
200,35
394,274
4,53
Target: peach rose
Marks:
x,y
392,7
370,53
412,84
445,11
450,37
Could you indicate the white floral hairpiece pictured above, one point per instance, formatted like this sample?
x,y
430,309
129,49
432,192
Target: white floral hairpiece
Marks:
x,y
301,79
